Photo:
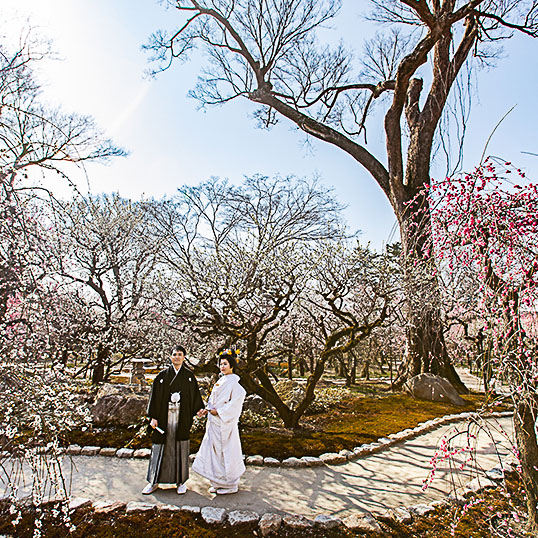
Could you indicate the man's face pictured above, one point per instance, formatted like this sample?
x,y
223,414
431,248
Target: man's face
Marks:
x,y
177,358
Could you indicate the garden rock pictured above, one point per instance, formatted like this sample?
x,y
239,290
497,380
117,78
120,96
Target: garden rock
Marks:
x,y
311,461
73,450
242,517
142,453
269,523
108,452
256,404
291,393
90,450
271,462
456,497
79,502
135,506
478,484
327,522
433,388
496,473
360,451
511,460
297,522
120,405
332,458
191,509
401,515
105,507
254,460
507,468
363,523
212,515
168,507
422,509
293,462
125,453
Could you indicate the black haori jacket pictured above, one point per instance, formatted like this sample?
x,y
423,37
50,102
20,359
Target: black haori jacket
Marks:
x,y
165,383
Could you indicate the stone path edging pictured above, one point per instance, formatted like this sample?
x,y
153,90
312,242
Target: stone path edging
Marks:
x,y
270,522
331,458
358,520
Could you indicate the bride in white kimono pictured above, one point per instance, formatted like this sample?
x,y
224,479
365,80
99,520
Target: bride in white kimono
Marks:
x,y
219,458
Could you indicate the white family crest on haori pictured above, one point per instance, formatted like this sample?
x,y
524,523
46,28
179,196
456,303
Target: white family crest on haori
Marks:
x,y
220,458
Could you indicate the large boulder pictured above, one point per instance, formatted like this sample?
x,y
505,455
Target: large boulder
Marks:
x,y
433,388
120,405
256,404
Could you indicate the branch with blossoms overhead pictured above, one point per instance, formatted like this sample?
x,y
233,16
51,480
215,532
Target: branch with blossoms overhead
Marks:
x,y
487,223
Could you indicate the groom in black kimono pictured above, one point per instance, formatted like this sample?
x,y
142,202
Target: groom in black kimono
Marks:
x,y
175,399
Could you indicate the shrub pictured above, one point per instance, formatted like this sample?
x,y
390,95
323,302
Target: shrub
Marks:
x,y
327,398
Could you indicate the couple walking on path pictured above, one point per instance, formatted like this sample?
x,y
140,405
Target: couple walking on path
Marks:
x,y
175,399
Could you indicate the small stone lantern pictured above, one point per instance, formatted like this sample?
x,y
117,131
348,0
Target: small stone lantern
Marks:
x,y
137,372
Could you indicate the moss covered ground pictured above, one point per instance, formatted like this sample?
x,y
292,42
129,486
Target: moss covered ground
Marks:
x,y
356,420
353,422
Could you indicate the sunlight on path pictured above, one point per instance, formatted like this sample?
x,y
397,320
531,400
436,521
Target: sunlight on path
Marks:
x,y
387,479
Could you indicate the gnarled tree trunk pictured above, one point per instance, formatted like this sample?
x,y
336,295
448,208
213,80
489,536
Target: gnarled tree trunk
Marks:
x,y
426,348
525,416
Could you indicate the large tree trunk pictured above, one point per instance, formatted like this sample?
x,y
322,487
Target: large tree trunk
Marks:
x,y
525,416
290,367
265,390
426,349
98,373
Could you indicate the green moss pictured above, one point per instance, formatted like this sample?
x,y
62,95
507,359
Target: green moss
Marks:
x,y
116,437
355,421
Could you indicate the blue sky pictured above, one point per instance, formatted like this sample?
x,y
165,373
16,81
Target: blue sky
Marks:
x,y
100,72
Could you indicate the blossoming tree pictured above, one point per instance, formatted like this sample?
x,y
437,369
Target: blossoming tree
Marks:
x,y
36,402
487,221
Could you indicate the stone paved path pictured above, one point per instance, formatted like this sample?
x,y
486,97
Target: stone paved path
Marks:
x,y
382,480
476,384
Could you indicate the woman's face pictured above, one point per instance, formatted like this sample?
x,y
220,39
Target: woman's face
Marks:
x,y
225,367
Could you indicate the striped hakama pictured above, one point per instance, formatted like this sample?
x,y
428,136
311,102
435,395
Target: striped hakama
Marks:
x,y
169,462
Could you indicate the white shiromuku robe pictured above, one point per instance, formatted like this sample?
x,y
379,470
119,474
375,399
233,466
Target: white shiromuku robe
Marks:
x,y
220,458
